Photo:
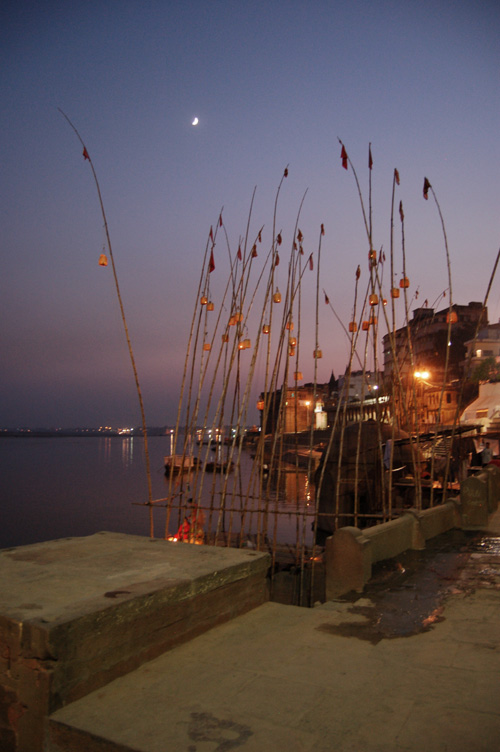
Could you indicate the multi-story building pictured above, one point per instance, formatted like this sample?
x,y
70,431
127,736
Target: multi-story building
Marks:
x,y
423,344
425,361
484,348
300,408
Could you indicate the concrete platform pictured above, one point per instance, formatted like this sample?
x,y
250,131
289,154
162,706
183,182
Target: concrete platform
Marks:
x,y
284,678
79,612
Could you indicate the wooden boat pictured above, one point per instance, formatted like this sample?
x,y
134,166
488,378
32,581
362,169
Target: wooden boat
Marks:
x,y
181,463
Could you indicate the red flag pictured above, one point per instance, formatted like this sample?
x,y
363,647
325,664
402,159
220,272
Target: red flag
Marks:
x,y
327,300
427,185
322,229
254,251
85,153
239,252
396,176
311,263
401,212
381,256
220,219
358,272
300,237
260,236
343,157
211,234
370,160
277,260
211,263
278,238
285,174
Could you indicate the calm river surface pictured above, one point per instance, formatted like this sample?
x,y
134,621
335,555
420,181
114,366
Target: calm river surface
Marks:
x,y
64,486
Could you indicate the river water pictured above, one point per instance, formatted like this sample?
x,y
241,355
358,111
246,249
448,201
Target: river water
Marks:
x,y
70,486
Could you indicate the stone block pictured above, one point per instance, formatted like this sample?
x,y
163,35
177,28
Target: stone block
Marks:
x,y
76,614
348,562
474,502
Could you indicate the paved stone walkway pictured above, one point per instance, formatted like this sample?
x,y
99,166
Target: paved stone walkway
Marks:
x,y
283,678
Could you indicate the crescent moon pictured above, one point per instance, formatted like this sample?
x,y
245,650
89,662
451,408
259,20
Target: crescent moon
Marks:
x,y
195,121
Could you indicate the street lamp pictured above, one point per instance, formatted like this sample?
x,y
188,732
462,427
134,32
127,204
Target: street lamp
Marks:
x,y
422,378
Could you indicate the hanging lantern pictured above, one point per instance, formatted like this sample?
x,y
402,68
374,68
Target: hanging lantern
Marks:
x,y
373,320
207,346
394,292
103,261
266,329
260,404
241,346
225,337
289,325
318,353
372,255
291,351
292,341
384,301
373,299
365,326
210,306
246,344
204,300
404,282
277,296
232,321
238,316
353,327
451,317
298,376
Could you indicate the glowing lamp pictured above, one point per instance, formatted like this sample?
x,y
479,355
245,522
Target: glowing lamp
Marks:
x,y
207,346
103,261
365,326
266,329
204,300
318,354
353,327
404,282
394,292
277,296
373,299
451,317
298,376
210,306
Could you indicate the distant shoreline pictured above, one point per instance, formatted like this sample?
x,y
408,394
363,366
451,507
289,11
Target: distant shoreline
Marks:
x,y
92,433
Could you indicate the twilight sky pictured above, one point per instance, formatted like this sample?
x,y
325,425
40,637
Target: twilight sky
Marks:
x,y
273,83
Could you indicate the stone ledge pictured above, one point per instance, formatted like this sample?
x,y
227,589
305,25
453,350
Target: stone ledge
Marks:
x,y
77,613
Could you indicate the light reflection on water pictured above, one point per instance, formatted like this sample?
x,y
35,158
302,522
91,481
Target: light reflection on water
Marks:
x,y
60,487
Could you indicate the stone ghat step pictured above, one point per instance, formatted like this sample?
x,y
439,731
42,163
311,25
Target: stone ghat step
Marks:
x,y
77,613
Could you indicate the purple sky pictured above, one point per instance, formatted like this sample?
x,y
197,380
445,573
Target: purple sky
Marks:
x,y
272,83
